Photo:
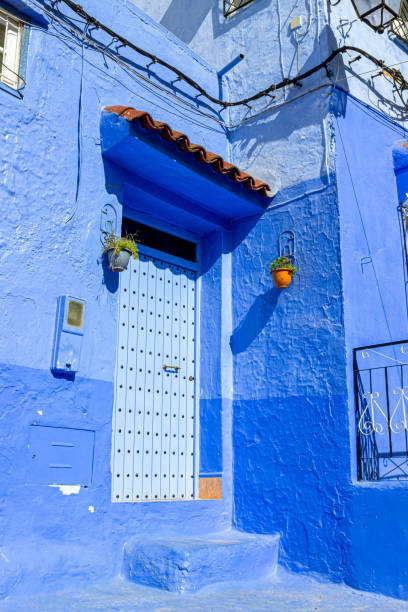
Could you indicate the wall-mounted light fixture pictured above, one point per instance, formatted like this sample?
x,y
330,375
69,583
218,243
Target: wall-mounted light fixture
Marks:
x,y
378,14
232,6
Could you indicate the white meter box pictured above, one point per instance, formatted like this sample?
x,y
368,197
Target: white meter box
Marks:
x,y
69,331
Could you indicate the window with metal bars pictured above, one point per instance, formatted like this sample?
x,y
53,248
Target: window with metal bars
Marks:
x,y
232,6
11,33
381,403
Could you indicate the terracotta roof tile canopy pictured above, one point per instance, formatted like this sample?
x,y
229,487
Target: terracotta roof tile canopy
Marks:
x,y
184,144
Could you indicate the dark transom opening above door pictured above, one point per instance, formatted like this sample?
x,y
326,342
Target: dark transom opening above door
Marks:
x,y
159,240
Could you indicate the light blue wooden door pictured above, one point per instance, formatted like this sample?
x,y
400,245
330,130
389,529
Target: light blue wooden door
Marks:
x,y
154,445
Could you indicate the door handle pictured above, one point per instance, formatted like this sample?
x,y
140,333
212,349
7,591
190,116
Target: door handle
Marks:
x,y
171,367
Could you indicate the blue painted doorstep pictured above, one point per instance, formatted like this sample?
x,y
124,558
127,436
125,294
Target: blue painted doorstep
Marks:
x,y
188,564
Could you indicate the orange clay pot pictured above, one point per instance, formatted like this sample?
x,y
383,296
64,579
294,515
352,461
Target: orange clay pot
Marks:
x,y
282,277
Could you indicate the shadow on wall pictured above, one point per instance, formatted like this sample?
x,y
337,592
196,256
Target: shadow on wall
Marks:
x,y
110,278
250,140
184,18
164,210
339,73
223,24
254,321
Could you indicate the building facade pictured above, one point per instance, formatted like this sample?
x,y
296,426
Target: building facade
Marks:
x,y
187,395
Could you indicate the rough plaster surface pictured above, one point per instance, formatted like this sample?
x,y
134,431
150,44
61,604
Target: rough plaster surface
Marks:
x,y
43,530
291,448
265,25
286,592
294,440
53,187
375,310
188,564
292,424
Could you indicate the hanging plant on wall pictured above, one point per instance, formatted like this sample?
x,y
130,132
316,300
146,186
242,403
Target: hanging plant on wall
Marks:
x,y
282,271
119,249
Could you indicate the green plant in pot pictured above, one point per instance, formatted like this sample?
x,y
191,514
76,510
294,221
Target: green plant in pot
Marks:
x,y
282,271
119,250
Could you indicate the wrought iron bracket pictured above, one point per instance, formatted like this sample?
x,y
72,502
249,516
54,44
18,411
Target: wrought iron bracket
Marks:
x,y
286,245
109,221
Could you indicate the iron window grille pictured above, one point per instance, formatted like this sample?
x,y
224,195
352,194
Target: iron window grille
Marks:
x,y
381,404
11,34
232,6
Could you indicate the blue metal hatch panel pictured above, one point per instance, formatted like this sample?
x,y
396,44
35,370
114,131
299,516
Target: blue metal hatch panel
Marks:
x,y
60,455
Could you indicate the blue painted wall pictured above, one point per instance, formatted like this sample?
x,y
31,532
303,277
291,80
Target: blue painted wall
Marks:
x,y
291,444
294,426
53,186
276,384
375,311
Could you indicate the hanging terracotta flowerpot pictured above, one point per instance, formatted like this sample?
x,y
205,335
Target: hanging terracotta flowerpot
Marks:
x,y
282,270
282,277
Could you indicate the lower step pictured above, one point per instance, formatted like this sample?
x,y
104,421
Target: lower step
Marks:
x,y
188,564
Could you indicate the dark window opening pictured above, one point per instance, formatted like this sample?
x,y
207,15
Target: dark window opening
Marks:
x,y
157,239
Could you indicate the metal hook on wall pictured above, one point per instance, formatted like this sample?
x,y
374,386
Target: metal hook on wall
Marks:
x,y
286,245
364,261
109,221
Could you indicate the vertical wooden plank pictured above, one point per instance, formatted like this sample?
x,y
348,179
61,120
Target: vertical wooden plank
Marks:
x,y
190,371
141,369
196,407
149,378
137,285
167,355
183,462
119,421
129,415
174,400
132,410
158,381
177,475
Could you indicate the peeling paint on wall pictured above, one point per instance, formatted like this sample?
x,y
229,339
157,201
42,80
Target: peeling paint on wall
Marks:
x,y
67,489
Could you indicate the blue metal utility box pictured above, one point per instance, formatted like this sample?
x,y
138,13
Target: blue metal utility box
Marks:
x,y
69,331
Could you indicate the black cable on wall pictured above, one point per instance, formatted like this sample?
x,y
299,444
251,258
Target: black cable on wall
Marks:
x,y
399,81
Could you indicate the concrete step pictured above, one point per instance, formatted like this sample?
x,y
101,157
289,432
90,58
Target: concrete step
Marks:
x,y
190,563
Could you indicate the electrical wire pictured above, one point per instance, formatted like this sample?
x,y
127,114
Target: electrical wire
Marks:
x,y
123,64
356,199
79,138
280,39
269,108
92,21
263,111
